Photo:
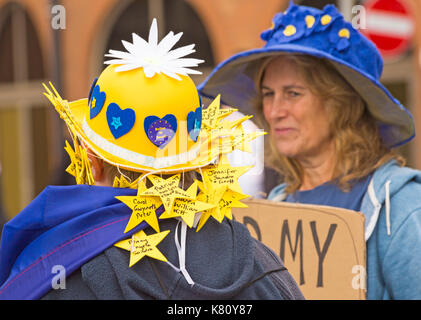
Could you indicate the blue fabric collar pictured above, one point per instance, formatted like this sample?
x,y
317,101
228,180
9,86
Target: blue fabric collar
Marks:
x,y
64,226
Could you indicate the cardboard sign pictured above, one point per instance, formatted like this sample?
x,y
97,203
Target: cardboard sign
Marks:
x,y
322,247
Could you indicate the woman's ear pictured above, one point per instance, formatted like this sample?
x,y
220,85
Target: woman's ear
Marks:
x,y
97,166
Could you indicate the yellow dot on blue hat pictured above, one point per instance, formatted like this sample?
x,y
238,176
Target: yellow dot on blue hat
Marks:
x,y
290,30
310,20
272,25
326,19
344,33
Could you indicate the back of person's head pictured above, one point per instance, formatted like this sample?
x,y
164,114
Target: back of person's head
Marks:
x,y
143,127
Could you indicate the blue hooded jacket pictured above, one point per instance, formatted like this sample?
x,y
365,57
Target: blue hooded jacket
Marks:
x,y
392,209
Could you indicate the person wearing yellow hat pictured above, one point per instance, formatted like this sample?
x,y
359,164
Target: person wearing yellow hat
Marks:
x,y
150,216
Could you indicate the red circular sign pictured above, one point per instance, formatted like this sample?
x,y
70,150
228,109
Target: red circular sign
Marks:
x,y
390,25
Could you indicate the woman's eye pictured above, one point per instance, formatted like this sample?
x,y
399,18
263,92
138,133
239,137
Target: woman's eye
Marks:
x,y
267,94
293,94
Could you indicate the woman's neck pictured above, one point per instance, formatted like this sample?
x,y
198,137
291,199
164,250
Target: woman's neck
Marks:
x,y
317,170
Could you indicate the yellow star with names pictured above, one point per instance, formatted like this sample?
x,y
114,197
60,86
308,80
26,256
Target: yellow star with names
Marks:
x,y
223,174
231,199
186,208
224,199
141,245
143,209
167,189
210,115
213,114
239,141
224,112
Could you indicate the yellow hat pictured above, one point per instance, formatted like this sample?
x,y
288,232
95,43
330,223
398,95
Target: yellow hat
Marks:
x,y
141,123
144,112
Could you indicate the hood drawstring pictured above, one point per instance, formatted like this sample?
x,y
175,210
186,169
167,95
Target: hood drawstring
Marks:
x,y
387,206
181,249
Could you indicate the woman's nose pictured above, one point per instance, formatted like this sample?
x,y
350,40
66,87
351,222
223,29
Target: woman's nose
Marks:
x,y
279,108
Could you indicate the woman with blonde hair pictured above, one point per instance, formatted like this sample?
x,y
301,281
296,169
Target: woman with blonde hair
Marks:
x,y
333,128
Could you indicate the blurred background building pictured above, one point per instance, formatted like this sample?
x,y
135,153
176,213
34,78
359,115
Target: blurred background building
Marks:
x,y
38,45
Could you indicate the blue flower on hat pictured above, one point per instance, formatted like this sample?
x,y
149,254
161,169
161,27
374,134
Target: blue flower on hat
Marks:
x,y
311,22
298,22
286,27
329,15
340,35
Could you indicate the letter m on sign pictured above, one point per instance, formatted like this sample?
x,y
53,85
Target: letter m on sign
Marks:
x,y
298,245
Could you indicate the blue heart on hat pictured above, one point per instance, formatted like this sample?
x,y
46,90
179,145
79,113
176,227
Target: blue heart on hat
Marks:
x,y
194,123
120,121
160,131
99,96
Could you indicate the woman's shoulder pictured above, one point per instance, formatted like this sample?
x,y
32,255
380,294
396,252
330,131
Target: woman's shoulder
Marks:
x,y
397,177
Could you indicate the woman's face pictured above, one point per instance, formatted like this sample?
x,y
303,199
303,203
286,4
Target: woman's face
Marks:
x,y
297,119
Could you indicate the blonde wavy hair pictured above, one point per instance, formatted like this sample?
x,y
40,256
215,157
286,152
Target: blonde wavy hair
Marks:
x,y
358,145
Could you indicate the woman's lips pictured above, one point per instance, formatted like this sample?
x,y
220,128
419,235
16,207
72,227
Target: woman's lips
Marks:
x,y
283,131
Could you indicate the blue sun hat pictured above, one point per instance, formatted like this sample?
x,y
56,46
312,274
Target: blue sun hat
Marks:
x,y
323,34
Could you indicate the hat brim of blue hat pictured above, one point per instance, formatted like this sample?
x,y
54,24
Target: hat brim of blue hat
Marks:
x,y
234,80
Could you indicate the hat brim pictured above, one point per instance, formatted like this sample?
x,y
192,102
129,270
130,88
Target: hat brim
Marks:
x,y
201,156
234,80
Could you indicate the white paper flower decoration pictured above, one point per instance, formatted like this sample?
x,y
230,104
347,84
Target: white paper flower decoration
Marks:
x,y
154,57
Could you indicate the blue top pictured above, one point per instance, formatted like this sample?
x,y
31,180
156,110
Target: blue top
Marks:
x,y
329,194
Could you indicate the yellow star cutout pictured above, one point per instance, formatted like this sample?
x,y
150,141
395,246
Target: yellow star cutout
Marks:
x,y
224,112
122,182
222,126
213,114
74,166
186,208
224,199
231,199
211,196
143,207
223,175
210,115
141,245
240,140
79,167
167,190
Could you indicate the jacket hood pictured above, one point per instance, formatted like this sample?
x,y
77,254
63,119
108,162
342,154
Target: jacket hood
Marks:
x,y
226,269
